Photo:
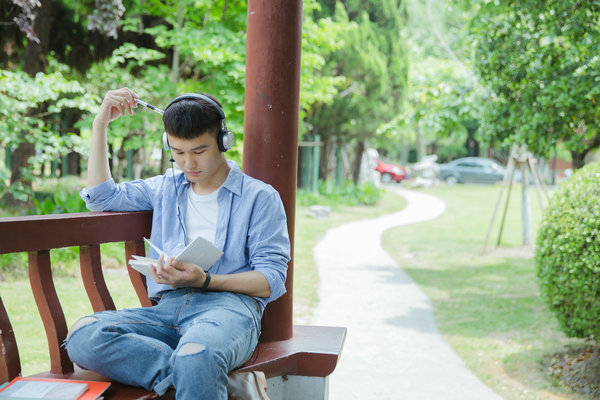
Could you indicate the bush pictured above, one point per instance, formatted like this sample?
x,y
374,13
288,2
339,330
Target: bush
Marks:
x,y
348,194
568,253
58,196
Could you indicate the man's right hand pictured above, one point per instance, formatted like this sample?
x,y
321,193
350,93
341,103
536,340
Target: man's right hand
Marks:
x,y
116,103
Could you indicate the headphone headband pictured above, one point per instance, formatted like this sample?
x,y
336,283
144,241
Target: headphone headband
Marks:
x,y
225,138
200,97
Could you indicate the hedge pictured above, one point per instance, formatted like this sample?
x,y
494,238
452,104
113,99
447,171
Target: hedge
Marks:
x,y
568,253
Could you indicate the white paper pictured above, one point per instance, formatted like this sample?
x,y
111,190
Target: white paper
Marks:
x,y
200,252
45,390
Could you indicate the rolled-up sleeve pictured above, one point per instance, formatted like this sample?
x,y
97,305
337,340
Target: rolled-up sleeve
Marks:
x,y
269,243
108,196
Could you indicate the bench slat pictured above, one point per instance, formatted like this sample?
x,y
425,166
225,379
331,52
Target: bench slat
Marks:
x,y
306,351
137,280
93,278
53,317
10,364
312,351
41,232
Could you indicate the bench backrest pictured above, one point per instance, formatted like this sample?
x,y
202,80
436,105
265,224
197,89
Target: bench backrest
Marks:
x,y
37,235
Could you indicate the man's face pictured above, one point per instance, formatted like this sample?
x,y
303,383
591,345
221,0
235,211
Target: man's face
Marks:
x,y
199,158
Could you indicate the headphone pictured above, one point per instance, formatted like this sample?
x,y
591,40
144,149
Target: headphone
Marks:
x,y
225,138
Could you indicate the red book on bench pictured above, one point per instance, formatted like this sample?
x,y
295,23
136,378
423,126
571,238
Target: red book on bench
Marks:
x,y
93,392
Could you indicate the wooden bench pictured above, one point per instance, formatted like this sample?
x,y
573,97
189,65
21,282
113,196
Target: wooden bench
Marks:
x,y
296,368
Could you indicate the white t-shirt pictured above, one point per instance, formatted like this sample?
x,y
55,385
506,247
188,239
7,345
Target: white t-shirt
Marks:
x,y
201,215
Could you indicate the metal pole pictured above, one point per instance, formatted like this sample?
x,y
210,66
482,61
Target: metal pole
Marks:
x,y
273,48
526,208
315,165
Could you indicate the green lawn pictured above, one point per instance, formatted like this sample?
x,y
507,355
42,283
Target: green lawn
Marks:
x,y
487,305
28,327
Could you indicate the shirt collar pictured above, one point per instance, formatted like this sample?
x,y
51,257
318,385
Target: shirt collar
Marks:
x,y
233,183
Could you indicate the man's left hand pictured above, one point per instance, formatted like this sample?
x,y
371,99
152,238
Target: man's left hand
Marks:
x,y
177,274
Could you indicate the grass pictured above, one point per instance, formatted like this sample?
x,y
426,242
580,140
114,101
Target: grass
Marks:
x,y
18,300
27,324
487,305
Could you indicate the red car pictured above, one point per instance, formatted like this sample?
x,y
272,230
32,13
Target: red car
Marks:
x,y
391,172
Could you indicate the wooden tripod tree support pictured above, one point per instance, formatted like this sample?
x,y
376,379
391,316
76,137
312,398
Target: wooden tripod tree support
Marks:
x,y
523,159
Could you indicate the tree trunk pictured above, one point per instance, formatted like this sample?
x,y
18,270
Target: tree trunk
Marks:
x,y
324,163
526,206
472,145
578,159
420,143
358,152
70,117
34,58
34,61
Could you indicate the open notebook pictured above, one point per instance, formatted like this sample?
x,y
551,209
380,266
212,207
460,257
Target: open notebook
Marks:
x,y
200,252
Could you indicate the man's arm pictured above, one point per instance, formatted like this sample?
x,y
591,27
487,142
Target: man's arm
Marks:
x,y
115,104
178,274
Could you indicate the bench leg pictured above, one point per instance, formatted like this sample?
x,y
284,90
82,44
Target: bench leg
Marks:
x,y
294,387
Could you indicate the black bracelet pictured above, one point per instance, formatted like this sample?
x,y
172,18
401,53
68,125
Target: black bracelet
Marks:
x,y
204,287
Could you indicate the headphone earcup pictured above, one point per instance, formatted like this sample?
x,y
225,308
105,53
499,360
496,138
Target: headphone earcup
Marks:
x,y
165,140
225,140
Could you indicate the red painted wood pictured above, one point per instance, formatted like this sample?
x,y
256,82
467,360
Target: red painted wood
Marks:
x,y
312,351
43,232
93,278
44,293
10,365
273,47
137,280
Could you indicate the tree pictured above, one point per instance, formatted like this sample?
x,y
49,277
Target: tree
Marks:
x,y
540,61
373,65
444,96
160,49
442,109
54,33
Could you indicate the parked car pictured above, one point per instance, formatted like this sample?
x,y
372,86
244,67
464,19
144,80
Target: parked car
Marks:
x,y
472,170
391,172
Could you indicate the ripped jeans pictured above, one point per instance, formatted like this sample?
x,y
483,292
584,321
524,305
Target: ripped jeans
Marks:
x,y
189,340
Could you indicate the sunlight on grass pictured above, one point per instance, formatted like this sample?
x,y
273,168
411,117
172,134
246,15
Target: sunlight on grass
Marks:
x,y
487,306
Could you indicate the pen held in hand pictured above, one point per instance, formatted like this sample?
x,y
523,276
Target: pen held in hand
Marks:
x,y
150,106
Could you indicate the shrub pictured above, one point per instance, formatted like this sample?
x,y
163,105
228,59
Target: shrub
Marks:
x,y
58,196
347,193
568,253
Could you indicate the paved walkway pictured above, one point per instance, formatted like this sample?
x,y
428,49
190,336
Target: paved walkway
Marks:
x,y
393,349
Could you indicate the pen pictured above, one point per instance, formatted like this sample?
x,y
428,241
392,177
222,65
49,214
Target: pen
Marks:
x,y
150,106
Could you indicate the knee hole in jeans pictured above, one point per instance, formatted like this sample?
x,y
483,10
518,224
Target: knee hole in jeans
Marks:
x,y
80,323
191,348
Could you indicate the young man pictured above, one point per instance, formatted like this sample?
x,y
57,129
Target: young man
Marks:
x,y
204,323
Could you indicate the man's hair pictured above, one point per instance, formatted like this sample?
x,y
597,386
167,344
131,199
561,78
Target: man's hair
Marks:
x,y
189,118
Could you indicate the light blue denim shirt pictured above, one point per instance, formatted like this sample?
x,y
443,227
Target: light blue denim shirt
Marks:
x,y
251,225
